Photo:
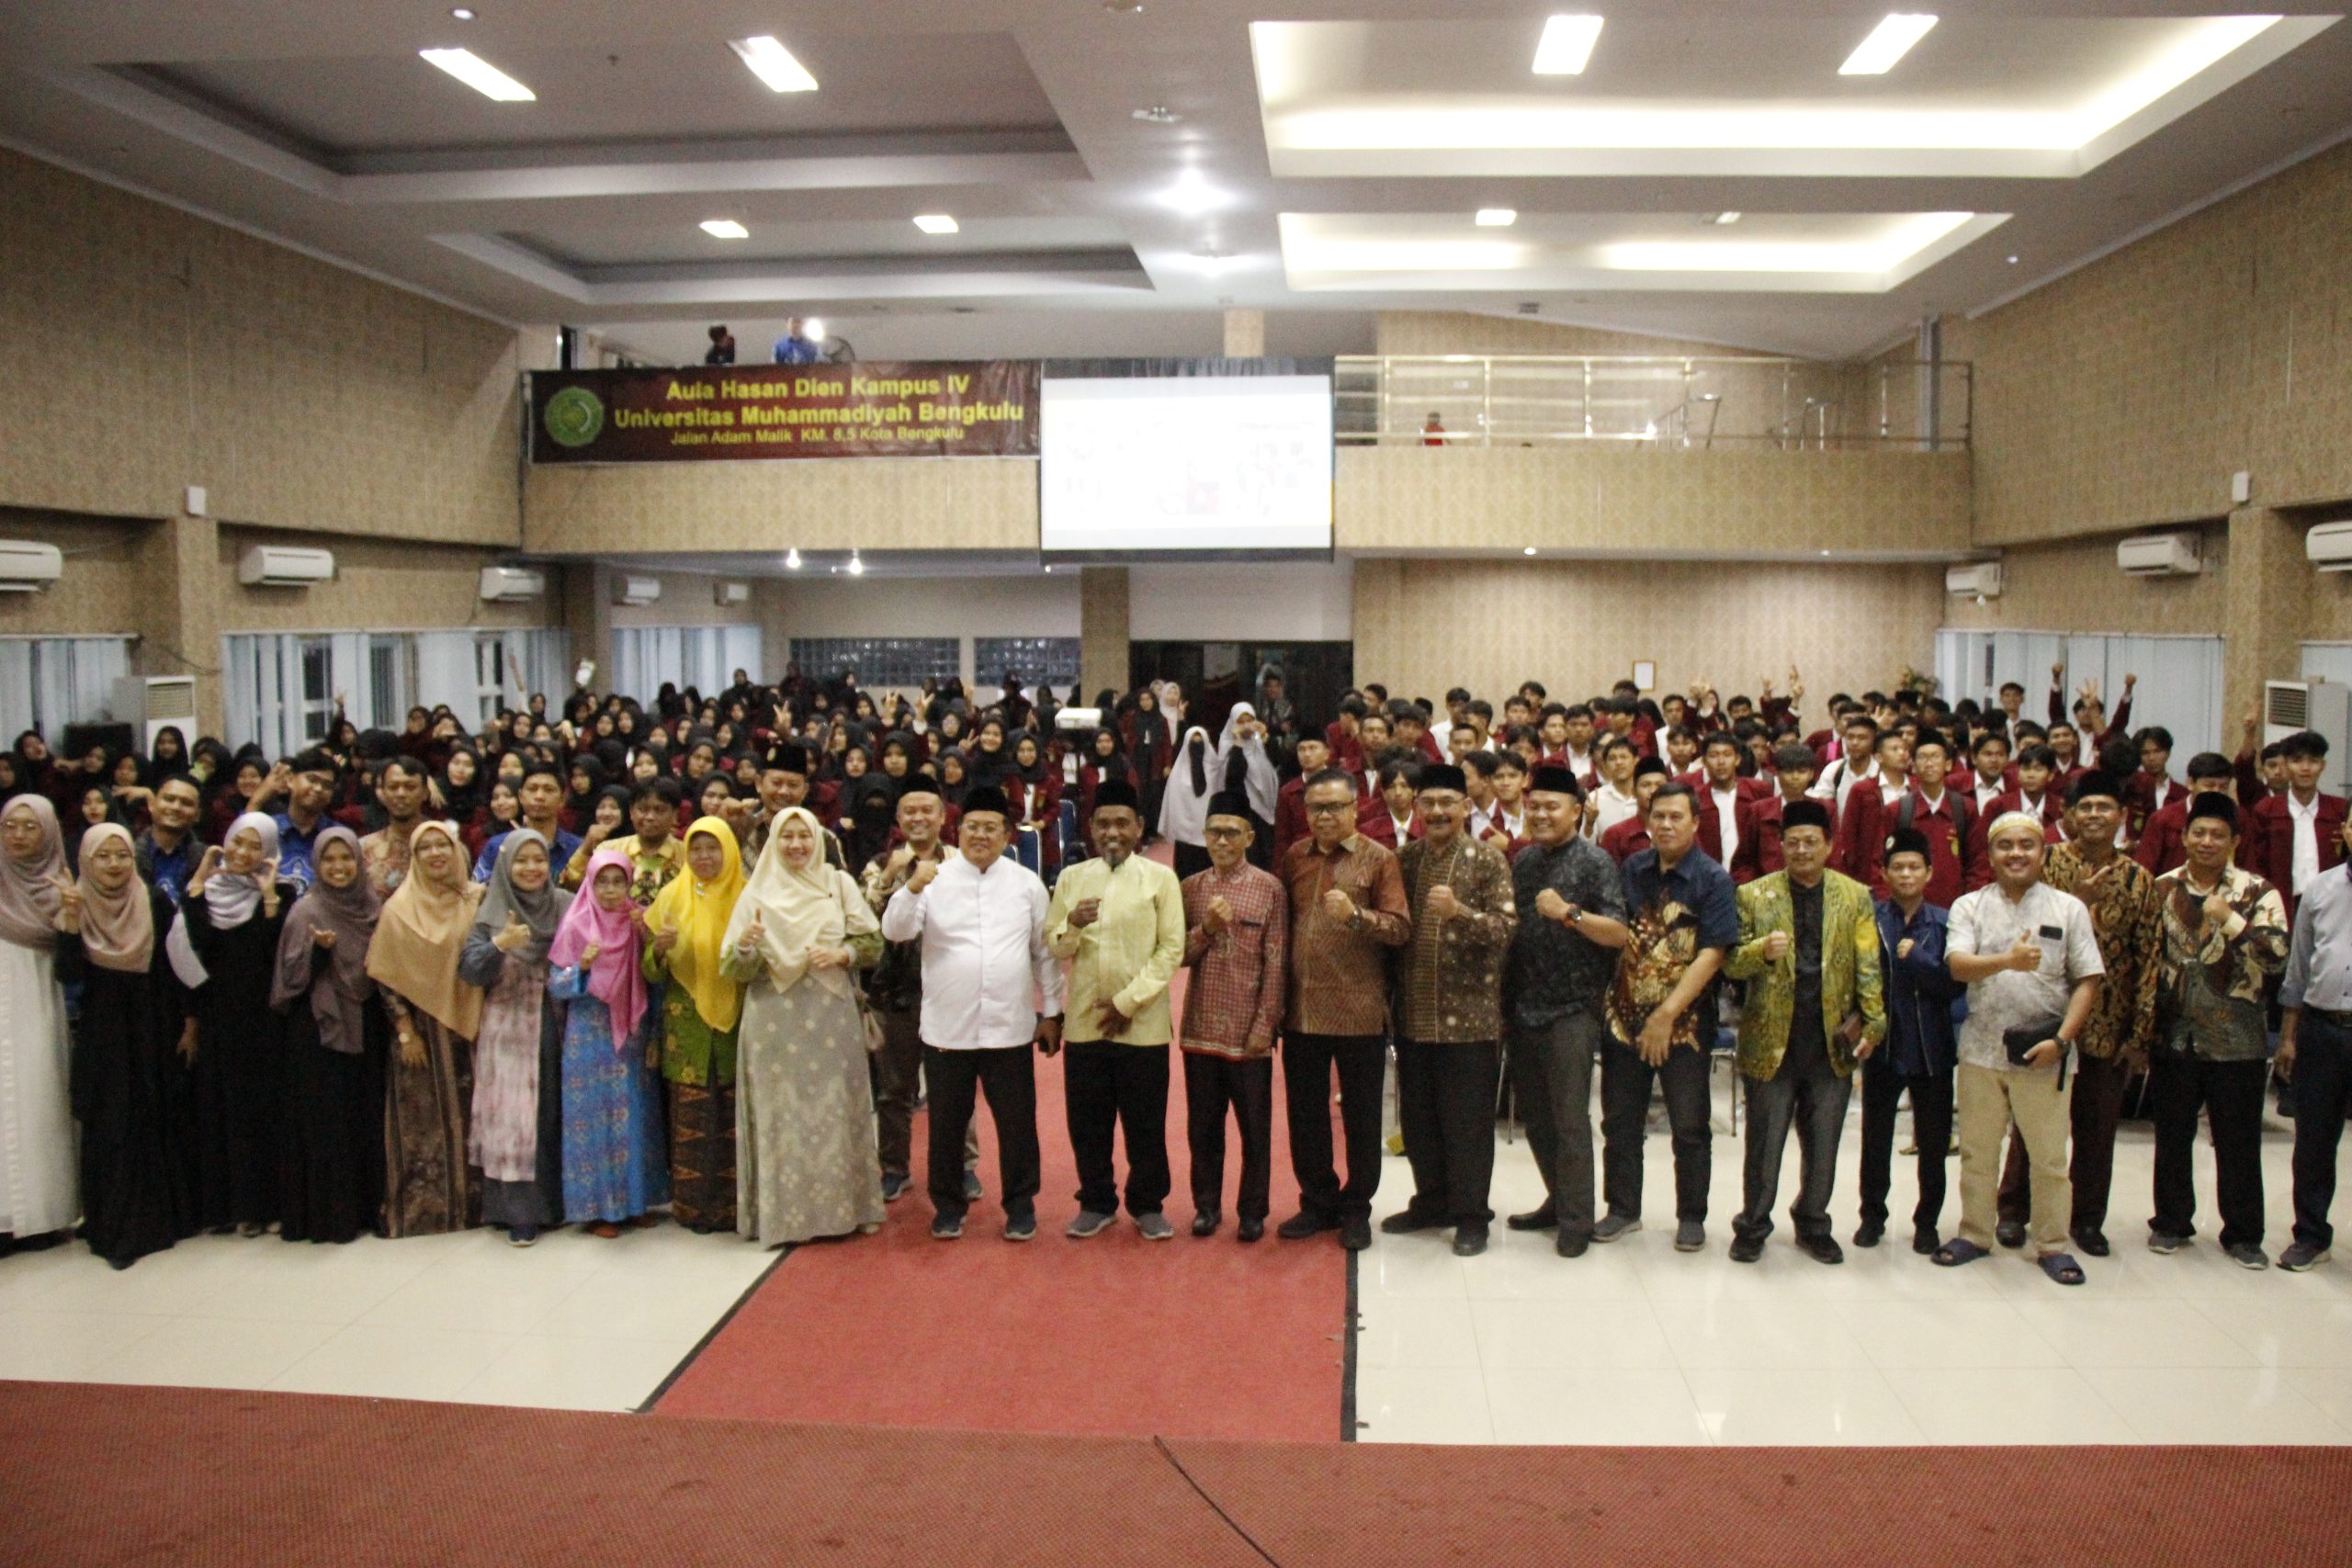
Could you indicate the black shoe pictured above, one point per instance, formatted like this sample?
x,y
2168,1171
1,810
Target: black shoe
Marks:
x,y
971,1187
1355,1231
1251,1230
1543,1219
1469,1240
1747,1248
1925,1241
1870,1233
1404,1221
2092,1242
1205,1221
1305,1223
1821,1248
1569,1245
2009,1233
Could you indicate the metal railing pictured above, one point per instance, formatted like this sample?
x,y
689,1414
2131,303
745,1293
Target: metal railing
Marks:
x,y
1739,402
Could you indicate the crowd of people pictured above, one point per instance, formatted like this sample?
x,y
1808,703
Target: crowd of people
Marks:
x,y
707,957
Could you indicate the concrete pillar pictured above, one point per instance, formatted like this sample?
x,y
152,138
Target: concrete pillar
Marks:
x,y
1102,629
1245,335
588,618
2265,588
178,615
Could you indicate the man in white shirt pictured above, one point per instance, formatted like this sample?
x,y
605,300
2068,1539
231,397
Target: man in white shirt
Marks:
x,y
981,920
1989,781
1837,780
2030,960
1614,801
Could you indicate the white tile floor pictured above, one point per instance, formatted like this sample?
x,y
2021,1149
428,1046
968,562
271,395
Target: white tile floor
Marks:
x,y
1633,1343
574,1322
1636,1343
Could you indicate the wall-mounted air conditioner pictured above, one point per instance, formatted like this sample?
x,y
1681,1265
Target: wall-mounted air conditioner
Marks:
x,y
512,584
2291,707
2161,555
283,566
2329,547
731,593
636,590
1979,580
150,702
27,566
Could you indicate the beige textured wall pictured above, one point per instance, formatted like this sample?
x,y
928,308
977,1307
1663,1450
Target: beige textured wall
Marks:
x,y
105,580
1423,626
878,504
142,350
385,584
1577,498
2130,391
2074,586
1462,332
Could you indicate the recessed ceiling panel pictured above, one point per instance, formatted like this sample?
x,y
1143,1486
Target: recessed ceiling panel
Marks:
x,y
349,107
1864,253
1743,94
779,237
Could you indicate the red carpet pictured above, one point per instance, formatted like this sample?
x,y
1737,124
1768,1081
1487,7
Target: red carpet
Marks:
x,y
97,1474
1113,1335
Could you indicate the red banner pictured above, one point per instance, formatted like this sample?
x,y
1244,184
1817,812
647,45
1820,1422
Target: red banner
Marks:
x,y
975,409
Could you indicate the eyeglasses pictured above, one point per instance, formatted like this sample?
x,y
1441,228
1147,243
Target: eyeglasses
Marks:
x,y
1227,832
1329,807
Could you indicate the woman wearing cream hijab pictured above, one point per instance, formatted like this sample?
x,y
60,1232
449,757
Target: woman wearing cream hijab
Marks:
x,y
806,1160
38,1198
420,936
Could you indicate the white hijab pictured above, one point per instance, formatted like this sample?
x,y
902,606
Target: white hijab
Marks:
x,y
1264,785
800,910
1183,809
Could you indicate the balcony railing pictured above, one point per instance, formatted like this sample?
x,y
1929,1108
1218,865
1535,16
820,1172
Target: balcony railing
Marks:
x,y
1726,403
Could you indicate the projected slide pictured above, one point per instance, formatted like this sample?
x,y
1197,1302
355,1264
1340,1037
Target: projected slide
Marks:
x,y
1164,465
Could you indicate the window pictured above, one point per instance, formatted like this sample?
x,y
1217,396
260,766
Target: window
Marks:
x,y
317,687
390,677
1050,660
880,661
47,683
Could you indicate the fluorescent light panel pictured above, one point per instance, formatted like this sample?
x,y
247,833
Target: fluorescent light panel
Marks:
x,y
480,74
725,229
937,223
772,63
1497,217
1566,45
1888,42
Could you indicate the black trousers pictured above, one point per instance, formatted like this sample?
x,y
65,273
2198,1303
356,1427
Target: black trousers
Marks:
x,y
2231,1095
898,1083
1931,1111
1108,1088
1551,1077
1445,1104
1811,1101
1361,1061
2323,1095
1625,1082
1190,858
1007,1075
1213,1083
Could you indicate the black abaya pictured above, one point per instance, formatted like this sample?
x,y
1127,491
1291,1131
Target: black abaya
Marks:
x,y
130,1094
240,1066
330,1182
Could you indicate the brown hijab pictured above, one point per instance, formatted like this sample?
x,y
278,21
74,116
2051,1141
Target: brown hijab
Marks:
x,y
117,928
30,889
421,933
338,994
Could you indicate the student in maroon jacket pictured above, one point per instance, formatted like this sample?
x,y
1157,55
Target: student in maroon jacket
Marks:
x,y
2159,847
2151,788
1795,765
1724,801
2037,790
1865,815
2301,829
1631,836
1954,864
1992,776
1377,814
1314,755
2090,714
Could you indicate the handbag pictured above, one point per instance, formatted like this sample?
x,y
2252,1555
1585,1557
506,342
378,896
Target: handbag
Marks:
x,y
2021,1042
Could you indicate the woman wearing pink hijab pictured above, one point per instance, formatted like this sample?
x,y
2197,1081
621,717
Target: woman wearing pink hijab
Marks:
x,y
613,1170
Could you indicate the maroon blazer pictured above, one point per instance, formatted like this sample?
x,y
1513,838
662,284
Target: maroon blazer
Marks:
x,y
1956,863
2269,849
1744,865
1767,817
1627,839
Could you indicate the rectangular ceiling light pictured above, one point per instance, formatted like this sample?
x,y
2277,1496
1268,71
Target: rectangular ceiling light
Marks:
x,y
1566,45
1889,42
935,223
1497,217
772,63
480,74
725,229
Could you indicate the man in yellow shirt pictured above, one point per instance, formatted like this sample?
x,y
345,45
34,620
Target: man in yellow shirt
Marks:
x,y
1119,921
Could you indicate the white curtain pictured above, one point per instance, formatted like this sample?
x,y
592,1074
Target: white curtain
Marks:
x,y
2180,685
50,682
703,657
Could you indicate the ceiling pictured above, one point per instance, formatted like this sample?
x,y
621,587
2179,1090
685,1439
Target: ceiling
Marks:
x,y
1322,167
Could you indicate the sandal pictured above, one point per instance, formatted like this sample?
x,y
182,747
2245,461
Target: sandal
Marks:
x,y
2062,1267
1953,1254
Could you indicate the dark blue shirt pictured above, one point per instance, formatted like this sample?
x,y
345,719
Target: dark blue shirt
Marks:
x,y
1919,991
1698,882
565,845
167,871
790,350
294,849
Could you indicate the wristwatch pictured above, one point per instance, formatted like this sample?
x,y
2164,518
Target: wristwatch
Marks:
x,y
1574,917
